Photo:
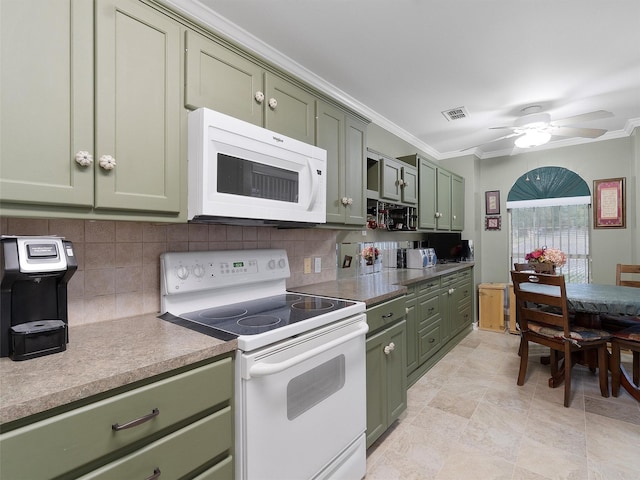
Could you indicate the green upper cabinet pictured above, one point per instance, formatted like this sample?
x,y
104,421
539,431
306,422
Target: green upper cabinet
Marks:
x,y
393,180
443,213
344,139
138,107
289,109
46,106
427,198
440,196
49,82
457,203
223,80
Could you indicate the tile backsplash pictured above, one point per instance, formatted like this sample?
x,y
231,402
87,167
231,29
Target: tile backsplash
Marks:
x,y
119,262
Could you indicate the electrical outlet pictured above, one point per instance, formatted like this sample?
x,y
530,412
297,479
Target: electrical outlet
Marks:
x,y
318,264
307,265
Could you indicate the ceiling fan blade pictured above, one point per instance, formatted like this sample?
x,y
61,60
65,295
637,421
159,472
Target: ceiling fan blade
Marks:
x,y
578,132
585,117
498,128
494,140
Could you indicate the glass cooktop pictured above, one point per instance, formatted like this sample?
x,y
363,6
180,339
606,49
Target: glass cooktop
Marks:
x,y
254,317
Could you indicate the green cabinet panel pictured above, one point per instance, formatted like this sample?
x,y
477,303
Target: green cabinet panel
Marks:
x,y
385,314
221,471
386,379
175,455
222,80
71,441
344,139
443,214
429,308
427,198
390,179
411,306
293,113
46,101
457,203
430,340
138,72
356,162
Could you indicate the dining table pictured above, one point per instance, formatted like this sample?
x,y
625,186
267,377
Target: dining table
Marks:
x,y
590,300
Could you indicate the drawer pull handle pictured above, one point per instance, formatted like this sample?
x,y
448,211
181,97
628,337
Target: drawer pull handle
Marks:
x,y
156,474
138,421
388,315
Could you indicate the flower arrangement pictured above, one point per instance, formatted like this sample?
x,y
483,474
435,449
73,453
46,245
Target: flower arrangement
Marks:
x,y
547,255
370,253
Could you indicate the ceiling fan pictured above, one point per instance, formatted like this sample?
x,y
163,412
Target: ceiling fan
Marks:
x,y
535,129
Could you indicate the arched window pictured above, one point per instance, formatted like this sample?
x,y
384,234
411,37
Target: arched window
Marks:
x,y
549,207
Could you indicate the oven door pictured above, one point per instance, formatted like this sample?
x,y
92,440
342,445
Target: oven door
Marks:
x,y
301,406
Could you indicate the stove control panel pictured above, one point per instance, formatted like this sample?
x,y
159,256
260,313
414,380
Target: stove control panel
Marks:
x,y
184,272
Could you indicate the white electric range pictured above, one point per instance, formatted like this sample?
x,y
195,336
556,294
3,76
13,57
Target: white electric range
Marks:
x,y
300,365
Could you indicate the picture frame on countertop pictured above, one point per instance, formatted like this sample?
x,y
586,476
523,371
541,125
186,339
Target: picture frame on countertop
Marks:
x,y
493,223
492,202
609,203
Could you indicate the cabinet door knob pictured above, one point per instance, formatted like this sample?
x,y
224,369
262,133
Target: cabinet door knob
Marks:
x,y
259,96
107,162
273,103
389,348
84,159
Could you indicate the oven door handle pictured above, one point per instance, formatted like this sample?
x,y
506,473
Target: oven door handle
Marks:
x,y
264,369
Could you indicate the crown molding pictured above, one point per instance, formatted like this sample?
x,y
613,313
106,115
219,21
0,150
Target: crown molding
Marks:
x,y
201,14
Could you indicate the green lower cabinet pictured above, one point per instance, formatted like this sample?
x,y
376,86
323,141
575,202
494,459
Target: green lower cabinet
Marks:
x,y
386,379
180,434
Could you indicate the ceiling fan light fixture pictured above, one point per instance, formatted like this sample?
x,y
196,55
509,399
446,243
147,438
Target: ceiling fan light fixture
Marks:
x,y
532,138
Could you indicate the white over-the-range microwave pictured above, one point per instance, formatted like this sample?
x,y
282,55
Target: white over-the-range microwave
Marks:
x,y
240,173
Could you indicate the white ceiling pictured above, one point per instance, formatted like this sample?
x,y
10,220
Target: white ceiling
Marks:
x,y
402,62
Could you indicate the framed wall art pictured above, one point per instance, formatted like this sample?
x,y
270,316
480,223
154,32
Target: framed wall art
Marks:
x,y
492,202
609,209
492,223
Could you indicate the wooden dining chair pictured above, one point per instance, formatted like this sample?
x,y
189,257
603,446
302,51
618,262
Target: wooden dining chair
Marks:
x,y
626,335
628,339
539,298
626,275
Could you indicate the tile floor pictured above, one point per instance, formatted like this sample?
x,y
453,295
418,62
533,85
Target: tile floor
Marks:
x,y
467,419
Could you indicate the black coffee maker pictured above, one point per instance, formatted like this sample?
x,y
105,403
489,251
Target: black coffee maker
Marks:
x,y
33,303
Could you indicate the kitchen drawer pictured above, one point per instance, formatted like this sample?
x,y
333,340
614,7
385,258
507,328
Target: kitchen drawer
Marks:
x,y
447,281
430,340
220,471
175,455
386,313
69,440
429,309
429,287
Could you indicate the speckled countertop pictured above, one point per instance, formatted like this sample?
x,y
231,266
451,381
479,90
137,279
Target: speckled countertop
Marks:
x,y
378,287
106,355
99,357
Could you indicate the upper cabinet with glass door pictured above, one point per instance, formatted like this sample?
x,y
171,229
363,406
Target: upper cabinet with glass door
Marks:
x,y
229,82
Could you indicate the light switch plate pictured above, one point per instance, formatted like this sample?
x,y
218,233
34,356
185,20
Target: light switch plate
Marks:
x,y
318,264
307,265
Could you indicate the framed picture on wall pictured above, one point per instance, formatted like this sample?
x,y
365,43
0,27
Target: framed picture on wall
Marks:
x,y
609,209
492,223
492,202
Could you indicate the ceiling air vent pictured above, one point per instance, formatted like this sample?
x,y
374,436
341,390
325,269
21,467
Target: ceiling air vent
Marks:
x,y
455,113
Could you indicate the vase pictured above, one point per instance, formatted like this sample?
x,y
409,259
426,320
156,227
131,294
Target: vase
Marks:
x,y
543,268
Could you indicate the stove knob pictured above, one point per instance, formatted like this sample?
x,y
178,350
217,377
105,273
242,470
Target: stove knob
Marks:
x,y
282,263
198,271
182,272
272,264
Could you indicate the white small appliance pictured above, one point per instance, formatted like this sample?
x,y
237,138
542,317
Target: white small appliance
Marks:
x,y
240,173
417,258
